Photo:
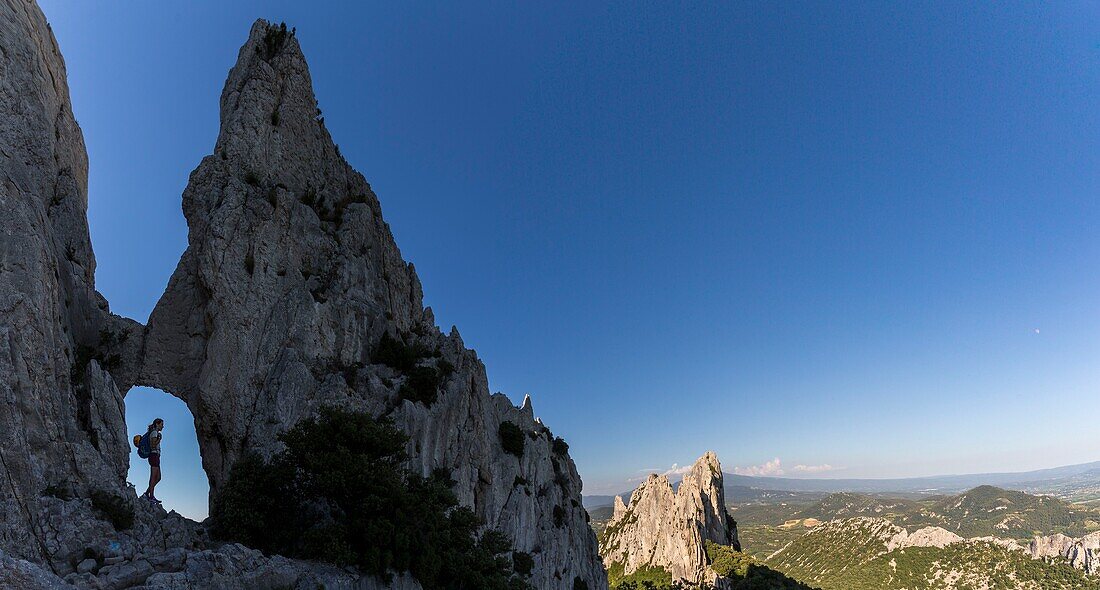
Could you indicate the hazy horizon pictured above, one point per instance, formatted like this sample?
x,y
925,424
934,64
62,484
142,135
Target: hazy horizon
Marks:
x,y
823,241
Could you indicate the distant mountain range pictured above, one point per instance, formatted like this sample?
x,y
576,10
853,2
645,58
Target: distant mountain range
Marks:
x,y
1077,483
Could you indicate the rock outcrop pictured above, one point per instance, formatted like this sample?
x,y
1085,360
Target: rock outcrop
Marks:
x,y
1083,553
930,536
61,414
669,529
279,306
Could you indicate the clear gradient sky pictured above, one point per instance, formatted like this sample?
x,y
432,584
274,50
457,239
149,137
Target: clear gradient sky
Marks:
x,y
857,236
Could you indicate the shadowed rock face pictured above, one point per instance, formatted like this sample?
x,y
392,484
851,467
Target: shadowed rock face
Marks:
x,y
668,529
61,415
277,307
290,275
288,283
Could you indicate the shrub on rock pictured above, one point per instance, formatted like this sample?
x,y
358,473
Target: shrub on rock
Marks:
x,y
339,493
511,438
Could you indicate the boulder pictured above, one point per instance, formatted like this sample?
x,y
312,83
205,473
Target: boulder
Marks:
x,y
24,575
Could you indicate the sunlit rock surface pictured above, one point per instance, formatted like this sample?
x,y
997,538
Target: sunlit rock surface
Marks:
x,y
667,528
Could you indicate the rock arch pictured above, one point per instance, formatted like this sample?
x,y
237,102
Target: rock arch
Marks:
x,y
290,278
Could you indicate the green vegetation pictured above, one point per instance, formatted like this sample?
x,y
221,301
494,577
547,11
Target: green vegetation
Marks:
x,y
990,511
559,516
560,447
646,577
339,493
421,386
746,572
274,38
598,519
56,491
983,511
742,572
851,555
739,569
848,505
309,197
422,382
511,438
854,557
115,509
612,531
760,540
522,563
396,354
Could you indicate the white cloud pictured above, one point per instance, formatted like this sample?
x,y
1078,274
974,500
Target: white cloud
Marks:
x,y
813,468
677,470
773,467
671,473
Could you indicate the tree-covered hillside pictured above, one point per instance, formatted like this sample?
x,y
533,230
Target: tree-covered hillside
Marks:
x,y
856,554
991,511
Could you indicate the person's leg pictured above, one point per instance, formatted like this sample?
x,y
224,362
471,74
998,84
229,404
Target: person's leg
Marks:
x,y
154,475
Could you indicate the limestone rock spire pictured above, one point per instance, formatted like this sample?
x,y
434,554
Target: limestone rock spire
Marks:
x,y
669,529
291,278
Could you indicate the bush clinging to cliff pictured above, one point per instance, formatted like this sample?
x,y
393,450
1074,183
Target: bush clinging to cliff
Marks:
x,y
339,493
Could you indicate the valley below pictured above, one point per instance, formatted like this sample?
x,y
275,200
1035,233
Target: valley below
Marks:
x,y
984,537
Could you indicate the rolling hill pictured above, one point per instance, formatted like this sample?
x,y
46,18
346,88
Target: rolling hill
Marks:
x,y
870,553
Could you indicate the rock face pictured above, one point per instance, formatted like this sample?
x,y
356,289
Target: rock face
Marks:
x,y
18,573
289,282
1083,553
668,529
931,536
279,306
61,414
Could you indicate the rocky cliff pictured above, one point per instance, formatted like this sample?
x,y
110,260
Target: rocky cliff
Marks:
x,y
1083,553
666,528
289,289
61,414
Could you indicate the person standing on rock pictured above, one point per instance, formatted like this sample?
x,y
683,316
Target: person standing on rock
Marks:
x,y
154,458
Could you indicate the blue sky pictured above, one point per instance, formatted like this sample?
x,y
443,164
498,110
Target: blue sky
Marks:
x,y
855,236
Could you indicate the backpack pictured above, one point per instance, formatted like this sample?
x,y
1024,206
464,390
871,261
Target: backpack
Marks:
x,y
141,441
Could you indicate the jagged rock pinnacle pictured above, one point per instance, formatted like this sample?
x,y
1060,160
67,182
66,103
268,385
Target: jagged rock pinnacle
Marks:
x,y
669,529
